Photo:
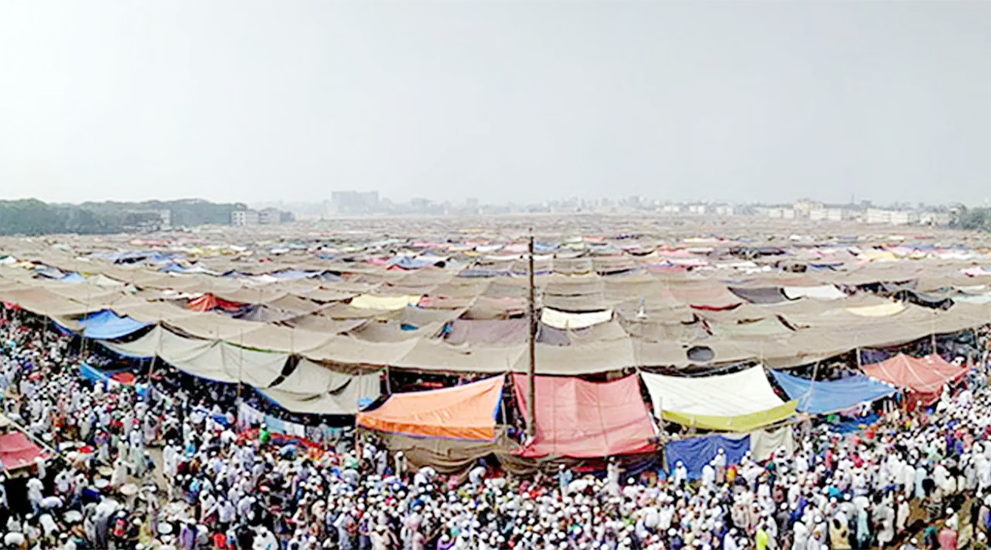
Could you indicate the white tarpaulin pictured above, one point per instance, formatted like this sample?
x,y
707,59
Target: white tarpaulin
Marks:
x,y
566,320
823,292
391,303
726,395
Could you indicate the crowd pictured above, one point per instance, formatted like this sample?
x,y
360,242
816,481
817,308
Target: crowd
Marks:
x,y
167,470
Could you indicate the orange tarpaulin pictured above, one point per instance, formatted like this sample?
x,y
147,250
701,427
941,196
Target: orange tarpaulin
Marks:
x,y
461,412
582,419
919,374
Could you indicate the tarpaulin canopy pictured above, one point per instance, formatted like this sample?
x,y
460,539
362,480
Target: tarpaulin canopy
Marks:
x,y
582,419
766,295
740,401
17,451
315,389
827,396
461,412
922,375
822,292
696,452
567,320
209,302
107,325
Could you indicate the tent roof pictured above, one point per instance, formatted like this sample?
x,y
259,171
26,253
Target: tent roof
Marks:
x,y
107,325
738,401
827,396
919,374
16,451
582,419
461,412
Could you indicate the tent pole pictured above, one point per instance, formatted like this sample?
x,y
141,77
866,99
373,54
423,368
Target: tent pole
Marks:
x,y
933,342
532,371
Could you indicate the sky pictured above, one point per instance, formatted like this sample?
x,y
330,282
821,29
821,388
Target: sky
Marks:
x,y
502,101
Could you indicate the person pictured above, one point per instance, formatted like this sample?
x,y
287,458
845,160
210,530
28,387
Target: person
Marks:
x,y
947,537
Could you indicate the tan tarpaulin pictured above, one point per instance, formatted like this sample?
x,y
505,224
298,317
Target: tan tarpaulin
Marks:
x,y
315,389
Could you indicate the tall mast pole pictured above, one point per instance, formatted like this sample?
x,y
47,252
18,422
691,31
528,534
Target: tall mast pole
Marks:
x,y
532,372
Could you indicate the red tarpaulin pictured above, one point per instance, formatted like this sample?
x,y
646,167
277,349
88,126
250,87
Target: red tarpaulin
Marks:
x,y
582,419
209,302
17,451
918,374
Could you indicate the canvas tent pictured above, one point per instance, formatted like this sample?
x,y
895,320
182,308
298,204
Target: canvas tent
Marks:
x,y
741,401
828,396
581,419
461,412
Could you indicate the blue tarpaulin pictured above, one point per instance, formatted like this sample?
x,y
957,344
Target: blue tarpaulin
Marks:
x,y
699,451
107,325
827,396
73,278
96,375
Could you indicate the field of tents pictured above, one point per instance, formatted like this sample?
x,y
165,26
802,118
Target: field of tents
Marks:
x,y
719,336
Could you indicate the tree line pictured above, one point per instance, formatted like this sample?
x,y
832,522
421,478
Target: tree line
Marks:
x,y
33,217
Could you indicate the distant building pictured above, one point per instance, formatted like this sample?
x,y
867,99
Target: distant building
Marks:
x,y
671,209
904,217
724,210
354,202
698,209
878,216
780,213
838,214
270,216
244,218
935,218
804,208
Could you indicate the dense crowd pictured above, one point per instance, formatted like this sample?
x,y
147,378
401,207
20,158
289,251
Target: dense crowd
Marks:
x,y
167,470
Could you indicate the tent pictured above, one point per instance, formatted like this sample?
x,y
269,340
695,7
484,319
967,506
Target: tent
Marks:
x,y
582,419
461,412
828,396
107,325
17,451
921,375
741,401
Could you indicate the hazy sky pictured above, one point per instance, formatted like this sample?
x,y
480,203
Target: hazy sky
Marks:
x,y
257,101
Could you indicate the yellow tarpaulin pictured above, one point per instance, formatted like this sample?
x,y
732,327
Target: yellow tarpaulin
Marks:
x,y
742,423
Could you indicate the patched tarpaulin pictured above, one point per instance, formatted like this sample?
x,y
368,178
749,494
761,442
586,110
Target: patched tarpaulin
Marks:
x,y
582,419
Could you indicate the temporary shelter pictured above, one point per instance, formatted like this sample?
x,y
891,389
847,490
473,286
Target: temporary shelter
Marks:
x,y
925,375
461,412
827,396
581,419
741,401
